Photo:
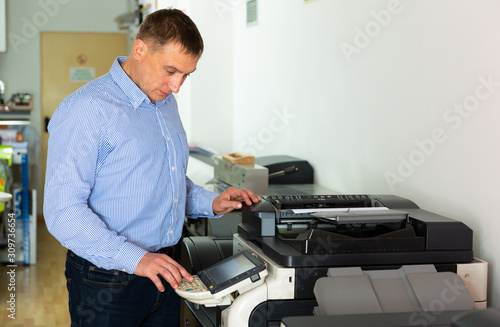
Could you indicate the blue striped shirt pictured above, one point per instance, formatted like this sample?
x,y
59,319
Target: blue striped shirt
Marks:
x,y
116,185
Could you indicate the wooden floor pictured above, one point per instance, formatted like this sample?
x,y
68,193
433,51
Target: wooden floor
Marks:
x,y
41,295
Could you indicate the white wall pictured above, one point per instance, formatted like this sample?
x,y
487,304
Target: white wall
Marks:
x,y
3,25
20,65
212,82
382,119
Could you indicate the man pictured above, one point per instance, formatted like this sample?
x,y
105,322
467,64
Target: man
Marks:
x,y
116,190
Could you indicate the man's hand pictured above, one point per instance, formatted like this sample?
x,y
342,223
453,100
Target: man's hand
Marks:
x,y
154,264
231,199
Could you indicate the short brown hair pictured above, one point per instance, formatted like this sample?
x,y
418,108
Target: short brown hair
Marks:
x,y
171,26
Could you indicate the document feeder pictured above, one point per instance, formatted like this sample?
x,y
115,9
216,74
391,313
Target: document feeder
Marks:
x,y
290,229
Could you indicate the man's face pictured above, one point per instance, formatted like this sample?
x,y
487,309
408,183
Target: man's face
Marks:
x,y
163,71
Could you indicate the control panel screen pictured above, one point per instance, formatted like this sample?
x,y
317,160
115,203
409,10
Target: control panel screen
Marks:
x,y
231,271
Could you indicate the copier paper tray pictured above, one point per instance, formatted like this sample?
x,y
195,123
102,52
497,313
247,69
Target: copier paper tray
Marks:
x,y
408,289
317,241
364,216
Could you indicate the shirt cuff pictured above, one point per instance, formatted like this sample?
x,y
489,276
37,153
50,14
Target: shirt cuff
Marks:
x,y
128,258
205,205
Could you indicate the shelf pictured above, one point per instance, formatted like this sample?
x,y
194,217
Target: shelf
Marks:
x,y
15,118
20,103
14,122
14,112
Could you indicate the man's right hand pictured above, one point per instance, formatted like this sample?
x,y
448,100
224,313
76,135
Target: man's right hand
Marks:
x,y
154,264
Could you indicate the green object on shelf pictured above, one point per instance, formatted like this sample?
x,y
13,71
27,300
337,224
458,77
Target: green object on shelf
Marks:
x,y
5,157
6,153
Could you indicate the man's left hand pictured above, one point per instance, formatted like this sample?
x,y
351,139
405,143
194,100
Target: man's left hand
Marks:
x,y
232,198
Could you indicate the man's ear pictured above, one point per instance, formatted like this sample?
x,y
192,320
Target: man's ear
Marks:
x,y
139,48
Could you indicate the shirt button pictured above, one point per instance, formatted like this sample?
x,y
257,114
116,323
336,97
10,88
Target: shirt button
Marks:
x,y
171,232
168,138
173,168
175,200
206,213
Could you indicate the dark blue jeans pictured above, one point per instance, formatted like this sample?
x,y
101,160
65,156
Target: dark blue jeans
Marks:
x,y
100,297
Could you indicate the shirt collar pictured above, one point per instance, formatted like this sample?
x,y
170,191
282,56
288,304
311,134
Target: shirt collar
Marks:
x,y
135,95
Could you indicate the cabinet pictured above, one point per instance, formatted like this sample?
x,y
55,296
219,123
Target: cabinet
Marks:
x,y
25,226
3,26
22,207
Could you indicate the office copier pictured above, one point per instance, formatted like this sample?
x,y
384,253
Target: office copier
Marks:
x,y
331,255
